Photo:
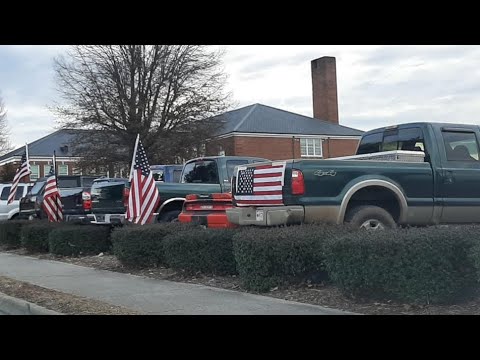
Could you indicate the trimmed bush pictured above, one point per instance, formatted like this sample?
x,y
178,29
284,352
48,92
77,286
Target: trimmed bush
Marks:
x,y
417,265
141,246
475,258
203,250
268,257
34,236
10,233
74,240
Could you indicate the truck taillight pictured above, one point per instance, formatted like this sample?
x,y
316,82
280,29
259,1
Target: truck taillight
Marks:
x,y
191,197
126,193
298,183
86,201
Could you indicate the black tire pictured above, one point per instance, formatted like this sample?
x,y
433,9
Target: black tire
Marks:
x,y
370,217
169,216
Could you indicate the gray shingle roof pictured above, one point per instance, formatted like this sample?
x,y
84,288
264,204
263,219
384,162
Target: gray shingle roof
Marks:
x,y
258,118
46,145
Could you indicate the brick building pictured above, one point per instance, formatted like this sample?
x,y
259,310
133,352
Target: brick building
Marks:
x,y
41,151
264,131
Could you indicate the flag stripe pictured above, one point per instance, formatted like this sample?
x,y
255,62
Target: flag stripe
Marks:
x,y
267,175
268,183
263,167
259,202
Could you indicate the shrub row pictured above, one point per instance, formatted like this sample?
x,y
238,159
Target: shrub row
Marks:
x,y
10,233
34,236
141,246
77,240
270,257
204,250
417,265
58,238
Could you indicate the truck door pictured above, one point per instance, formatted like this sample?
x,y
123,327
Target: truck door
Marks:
x,y
460,183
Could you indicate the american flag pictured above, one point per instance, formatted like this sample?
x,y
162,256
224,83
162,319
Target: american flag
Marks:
x,y
22,171
52,202
143,198
260,185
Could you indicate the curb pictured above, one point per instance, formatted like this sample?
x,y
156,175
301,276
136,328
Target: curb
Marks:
x,y
13,306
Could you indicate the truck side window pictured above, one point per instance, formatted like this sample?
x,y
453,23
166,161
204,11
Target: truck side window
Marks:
x,y
370,143
411,139
460,146
5,193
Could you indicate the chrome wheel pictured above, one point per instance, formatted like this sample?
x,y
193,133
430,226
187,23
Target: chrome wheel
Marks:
x,y
372,224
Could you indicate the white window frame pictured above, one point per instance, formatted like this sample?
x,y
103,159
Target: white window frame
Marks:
x,y
317,151
32,175
64,166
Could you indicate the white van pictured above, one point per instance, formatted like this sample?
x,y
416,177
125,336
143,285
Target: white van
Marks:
x,y
10,211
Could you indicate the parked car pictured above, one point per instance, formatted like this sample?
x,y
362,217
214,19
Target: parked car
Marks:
x,y
75,194
10,211
206,175
410,174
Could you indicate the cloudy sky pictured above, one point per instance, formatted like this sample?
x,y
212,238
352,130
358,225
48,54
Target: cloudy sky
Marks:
x,y
377,85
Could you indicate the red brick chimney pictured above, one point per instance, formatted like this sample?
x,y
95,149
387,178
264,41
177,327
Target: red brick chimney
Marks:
x,y
324,86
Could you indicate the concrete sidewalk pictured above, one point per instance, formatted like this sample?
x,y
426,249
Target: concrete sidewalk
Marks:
x,y
149,296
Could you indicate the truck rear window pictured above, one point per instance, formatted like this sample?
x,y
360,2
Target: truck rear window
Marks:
x,y
408,139
204,172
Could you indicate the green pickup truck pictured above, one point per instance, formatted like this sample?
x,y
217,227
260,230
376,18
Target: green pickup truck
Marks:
x,y
206,175
410,174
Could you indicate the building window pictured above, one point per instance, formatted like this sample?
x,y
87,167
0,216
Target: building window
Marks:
x,y
311,147
77,171
62,169
46,169
35,172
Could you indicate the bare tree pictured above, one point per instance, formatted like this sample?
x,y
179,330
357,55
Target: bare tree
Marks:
x,y
165,93
4,130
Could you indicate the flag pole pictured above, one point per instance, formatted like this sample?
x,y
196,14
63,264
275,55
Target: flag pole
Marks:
x,y
28,161
55,164
133,158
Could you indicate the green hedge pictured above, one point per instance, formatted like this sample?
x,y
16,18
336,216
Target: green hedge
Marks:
x,y
203,250
417,265
74,240
475,257
268,257
34,236
10,233
141,246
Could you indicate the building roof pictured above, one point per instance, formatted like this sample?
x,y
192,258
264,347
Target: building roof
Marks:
x,y
45,146
258,118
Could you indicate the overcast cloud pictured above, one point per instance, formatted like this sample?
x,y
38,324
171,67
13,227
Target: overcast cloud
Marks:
x,y
377,85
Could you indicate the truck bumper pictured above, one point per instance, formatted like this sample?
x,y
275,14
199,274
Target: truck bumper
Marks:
x,y
80,219
113,219
213,220
266,216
